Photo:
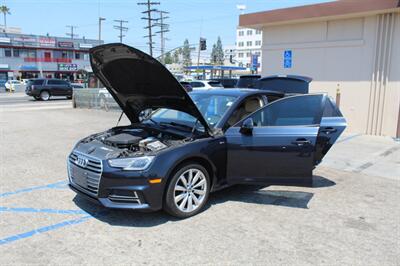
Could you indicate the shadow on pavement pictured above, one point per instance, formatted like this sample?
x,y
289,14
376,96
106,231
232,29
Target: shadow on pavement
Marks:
x,y
253,194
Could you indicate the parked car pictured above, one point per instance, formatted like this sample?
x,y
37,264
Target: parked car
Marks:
x,y
77,86
194,143
227,82
247,81
205,84
186,85
10,84
284,83
43,89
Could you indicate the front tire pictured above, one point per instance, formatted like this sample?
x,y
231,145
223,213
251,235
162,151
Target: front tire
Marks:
x,y
187,191
44,95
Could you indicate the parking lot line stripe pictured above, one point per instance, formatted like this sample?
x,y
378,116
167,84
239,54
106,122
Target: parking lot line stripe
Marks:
x,y
24,190
54,211
44,229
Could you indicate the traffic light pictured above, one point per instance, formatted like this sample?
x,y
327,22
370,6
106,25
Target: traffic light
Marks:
x,y
203,44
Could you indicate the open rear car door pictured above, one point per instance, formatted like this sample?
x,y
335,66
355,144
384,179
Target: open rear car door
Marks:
x,y
282,142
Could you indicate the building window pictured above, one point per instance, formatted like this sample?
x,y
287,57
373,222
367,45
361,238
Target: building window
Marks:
x,y
249,43
241,44
16,52
257,53
258,43
86,56
248,54
7,52
249,32
241,33
240,55
77,55
258,32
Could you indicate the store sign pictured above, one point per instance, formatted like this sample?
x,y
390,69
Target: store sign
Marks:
x,y
28,68
47,42
66,44
4,66
85,45
67,67
24,39
5,40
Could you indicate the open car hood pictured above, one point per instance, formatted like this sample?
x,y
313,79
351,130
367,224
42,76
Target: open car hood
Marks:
x,y
285,83
137,82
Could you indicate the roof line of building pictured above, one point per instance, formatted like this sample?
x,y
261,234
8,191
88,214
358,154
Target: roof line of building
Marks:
x,y
318,11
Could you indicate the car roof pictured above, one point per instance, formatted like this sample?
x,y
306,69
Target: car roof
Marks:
x,y
234,92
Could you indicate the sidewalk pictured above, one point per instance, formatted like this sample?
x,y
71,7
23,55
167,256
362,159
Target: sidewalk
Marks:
x,y
370,155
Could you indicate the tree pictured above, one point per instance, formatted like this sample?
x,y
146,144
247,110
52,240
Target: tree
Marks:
x,y
175,57
6,11
168,58
217,53
187,60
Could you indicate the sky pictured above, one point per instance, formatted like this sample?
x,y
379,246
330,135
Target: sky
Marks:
x,y
187,19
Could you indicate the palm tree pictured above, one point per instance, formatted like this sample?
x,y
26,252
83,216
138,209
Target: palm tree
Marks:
x,y
6,11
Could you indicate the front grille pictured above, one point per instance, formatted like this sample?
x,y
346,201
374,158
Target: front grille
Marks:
x,y
85,175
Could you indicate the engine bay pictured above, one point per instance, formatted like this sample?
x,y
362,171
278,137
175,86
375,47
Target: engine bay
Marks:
x,y
126,141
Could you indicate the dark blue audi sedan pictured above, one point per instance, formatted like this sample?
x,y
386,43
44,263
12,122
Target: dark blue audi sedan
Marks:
x,y
191,145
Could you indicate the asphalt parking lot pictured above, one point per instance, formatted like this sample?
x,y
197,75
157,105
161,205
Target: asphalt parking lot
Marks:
x,y
350,216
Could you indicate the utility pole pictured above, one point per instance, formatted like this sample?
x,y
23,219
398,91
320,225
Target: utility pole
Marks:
x,y
149,22
100,20
121,28
163,29
71,34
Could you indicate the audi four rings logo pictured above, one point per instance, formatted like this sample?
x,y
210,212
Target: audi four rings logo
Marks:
x,y
81,161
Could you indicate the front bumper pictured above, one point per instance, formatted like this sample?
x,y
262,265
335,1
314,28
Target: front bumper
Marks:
x,y
115,188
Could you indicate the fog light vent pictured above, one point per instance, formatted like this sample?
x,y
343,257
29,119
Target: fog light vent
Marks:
x,y
128,197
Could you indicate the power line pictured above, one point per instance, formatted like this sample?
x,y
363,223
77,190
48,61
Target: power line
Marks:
x,y
121,28
71,33
149,22
163,29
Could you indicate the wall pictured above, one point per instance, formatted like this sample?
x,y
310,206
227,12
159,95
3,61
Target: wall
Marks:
x,y
342,54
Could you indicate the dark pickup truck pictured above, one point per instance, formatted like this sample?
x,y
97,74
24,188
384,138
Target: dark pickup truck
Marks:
x,y
43,89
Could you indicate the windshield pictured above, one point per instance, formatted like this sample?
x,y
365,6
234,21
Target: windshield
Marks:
x,y
212,107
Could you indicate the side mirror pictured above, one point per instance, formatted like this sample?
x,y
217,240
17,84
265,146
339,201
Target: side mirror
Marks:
x,y
247,127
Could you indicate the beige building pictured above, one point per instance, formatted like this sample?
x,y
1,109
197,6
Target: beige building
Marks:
x,y
353,45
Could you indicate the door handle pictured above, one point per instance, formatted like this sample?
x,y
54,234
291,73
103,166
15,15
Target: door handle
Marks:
x,y
328,130
301,142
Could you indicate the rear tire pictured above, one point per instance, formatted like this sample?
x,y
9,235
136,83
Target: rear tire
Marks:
x,y
188,191
44,95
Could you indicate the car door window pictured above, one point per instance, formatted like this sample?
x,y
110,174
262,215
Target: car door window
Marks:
x,y
248,106
291,111
197,84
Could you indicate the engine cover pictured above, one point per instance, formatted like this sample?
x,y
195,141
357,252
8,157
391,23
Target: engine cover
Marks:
x,y
123,140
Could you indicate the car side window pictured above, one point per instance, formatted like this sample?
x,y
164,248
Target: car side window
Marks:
x,y
331,110
197,84
291,111
51,82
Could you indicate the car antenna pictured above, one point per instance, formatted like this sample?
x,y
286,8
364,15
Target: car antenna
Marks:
x,y
119,119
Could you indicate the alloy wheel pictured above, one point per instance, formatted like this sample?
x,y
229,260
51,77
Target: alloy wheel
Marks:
x,y
190,190
44,95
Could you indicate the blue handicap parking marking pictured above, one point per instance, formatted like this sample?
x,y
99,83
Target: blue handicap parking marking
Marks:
x,y
25,190
44,229
33,210
83,216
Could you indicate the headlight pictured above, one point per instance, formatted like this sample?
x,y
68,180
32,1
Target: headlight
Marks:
x,y
137,163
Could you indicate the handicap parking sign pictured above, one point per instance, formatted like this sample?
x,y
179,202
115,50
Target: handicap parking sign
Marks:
x,y
287,59
287,63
